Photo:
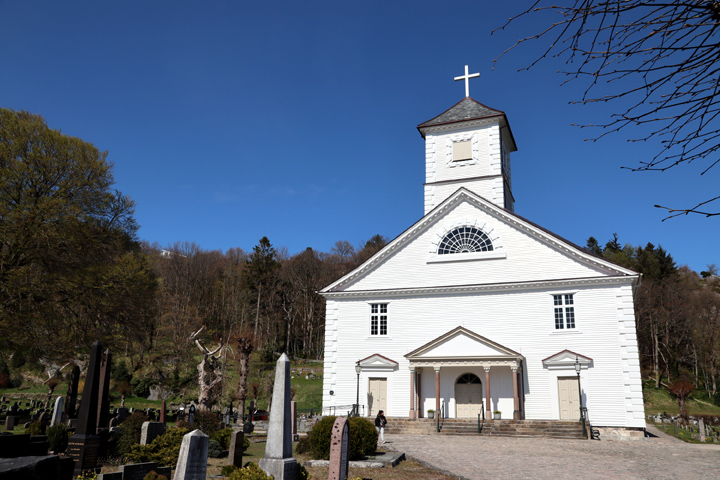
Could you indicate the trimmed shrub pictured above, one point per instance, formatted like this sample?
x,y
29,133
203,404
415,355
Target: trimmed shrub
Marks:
x,y
36,428
57,438
303,446
153,475
131,432
228,470
249,472
207,421
164,449
363,438
223,437
215,450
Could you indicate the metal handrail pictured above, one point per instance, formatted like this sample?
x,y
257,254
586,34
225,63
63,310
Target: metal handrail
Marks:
x,y
481,417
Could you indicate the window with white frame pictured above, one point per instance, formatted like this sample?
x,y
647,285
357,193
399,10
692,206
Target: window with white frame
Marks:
x,y
564,311
378,319
465,239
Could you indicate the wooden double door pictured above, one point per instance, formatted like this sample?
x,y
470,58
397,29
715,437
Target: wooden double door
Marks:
x,y
468,396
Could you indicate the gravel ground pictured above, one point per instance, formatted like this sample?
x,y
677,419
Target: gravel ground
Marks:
x,y
471,458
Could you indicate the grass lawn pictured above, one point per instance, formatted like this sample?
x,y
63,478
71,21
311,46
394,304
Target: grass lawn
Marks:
x,y
661,400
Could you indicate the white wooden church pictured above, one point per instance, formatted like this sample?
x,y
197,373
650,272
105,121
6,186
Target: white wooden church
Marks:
x,y
475,308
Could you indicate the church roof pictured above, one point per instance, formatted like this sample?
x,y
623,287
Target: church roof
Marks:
x,y
465,109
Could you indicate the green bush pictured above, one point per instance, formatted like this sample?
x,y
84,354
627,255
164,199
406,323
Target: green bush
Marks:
x,y
228,470
363,438
36,428
141,386
164,449
131,432
223,437
303,446
249,472
153,475
215,450
57,438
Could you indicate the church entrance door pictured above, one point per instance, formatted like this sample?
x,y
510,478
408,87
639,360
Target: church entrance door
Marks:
x,y
377,396
468,396
569,398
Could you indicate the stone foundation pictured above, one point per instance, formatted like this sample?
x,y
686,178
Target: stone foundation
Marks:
x,y
621,433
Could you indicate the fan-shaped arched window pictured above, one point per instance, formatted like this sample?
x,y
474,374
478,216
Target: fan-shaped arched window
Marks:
x,y
465,240
468,378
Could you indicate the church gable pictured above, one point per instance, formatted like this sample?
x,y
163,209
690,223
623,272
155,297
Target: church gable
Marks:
x,y
461,342
468,241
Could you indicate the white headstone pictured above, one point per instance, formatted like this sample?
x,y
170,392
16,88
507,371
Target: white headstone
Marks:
x,y
278,460
58,411
192,461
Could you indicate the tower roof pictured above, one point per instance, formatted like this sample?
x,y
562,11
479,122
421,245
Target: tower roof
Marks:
x,y
463,111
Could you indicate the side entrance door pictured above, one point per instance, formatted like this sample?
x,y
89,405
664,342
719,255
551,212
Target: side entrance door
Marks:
x,y
568,396
377,396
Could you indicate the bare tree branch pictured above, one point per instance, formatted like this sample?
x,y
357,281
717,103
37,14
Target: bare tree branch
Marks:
x,y
662,58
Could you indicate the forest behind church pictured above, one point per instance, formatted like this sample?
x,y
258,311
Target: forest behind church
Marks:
x,y
72,271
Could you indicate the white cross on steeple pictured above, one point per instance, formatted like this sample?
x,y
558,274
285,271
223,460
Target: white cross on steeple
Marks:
x,y
467,78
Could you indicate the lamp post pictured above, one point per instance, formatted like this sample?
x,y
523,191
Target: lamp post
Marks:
x,y
358,369
582,415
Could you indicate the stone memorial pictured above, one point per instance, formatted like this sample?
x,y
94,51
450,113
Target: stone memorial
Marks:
x,y
293,416
339,449
150,431
701,429
192,460
57,411
278,460
10,422
235,454
103,408
163,413
137,471
84,444
71,396
191,414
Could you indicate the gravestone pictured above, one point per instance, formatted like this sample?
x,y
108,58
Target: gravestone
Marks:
x,y
137,471
278,460
10,422
191,415
293,416
83,446
701,429
57,411
192,460
71,396
235,454
150,431
339,449
163,413
103,413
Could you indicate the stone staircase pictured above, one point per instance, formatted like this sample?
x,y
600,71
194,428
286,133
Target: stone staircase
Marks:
x,y
494,428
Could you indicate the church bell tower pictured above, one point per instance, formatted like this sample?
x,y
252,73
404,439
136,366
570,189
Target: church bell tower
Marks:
x,y
469,146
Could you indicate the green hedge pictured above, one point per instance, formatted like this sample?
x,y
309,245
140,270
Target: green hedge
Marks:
x,y
363,438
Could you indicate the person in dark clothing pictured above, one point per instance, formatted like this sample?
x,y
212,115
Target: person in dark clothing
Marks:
x,y
380,423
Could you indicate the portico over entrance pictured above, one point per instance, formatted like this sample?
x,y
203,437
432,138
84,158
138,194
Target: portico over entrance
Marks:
x,y
461,373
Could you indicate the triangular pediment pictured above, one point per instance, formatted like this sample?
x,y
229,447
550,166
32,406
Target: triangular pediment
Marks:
x,y
377,362
566,360
461,343
534,245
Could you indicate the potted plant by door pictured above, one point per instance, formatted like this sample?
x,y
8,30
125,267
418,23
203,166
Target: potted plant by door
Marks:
x,y
431,413
496,415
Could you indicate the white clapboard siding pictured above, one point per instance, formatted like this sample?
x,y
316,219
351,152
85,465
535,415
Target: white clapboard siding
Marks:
x,y
521,321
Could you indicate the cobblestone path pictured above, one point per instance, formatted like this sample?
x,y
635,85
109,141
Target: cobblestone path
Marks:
x,y
471,458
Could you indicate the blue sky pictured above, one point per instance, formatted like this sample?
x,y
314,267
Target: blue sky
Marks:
x,y
229,121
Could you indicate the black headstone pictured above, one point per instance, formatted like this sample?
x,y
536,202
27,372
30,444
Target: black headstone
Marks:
x,y
84,444
71,396
103,417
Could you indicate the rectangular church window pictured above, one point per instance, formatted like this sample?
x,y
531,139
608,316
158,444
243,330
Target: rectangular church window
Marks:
x,y
462,150
378,319
564,311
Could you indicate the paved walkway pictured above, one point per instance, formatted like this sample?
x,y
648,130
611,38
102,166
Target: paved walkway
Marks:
x,y
471,458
